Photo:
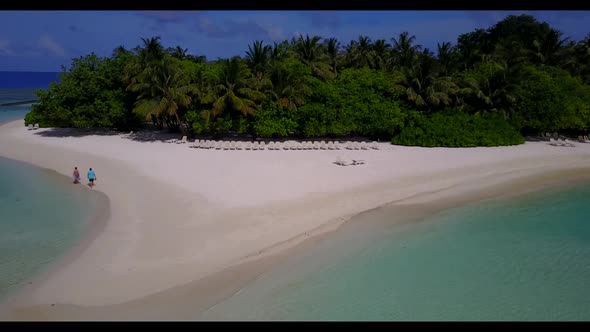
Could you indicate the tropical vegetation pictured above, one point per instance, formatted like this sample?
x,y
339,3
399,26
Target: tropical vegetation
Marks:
x,y
492,87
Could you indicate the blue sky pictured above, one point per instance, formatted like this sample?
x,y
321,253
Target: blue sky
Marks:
x,y
45,40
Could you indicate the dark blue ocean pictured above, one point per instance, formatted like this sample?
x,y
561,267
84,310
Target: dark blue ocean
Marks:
x,y
26,80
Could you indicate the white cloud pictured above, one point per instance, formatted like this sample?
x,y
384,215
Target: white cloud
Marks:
x,y
47,43
275,33
5,48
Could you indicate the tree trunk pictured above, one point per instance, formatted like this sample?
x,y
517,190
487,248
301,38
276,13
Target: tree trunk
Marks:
x,y
182,129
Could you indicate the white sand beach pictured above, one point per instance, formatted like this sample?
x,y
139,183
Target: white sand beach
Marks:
x,y
178,214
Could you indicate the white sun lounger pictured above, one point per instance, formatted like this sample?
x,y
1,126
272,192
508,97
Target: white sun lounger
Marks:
x,y
569,143
36,126
30,127
340,162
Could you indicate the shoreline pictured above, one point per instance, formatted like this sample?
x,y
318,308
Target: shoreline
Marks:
x,y
185,302
266,229
96,222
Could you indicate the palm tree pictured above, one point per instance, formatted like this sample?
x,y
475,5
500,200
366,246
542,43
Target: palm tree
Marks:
x,y
426,91
423,87
333,52
151,54
288,86
446,58
471,46
163,90
404,51
553,50
233,89
362,53
310,52
179,53
381,50
257,58
280,51
120,51
582,55
152,49
490,89
349,51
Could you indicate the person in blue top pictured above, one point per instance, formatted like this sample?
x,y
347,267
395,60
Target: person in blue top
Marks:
x,y
91,177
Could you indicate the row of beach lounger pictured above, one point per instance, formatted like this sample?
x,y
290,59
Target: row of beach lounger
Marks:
x,y
290,145
31,127
560,142
555,140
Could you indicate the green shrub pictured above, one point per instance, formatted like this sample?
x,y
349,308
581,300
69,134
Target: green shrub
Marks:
x,y
91,94
199,121
457,129
271,121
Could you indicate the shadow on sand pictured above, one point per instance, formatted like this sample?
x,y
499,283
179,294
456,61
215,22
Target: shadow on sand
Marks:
x,y
139,136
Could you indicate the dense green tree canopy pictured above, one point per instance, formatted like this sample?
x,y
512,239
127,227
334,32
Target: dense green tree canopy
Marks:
x,y
520,76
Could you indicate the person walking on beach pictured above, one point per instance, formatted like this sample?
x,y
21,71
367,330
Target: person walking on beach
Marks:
x,y
91,177
76,175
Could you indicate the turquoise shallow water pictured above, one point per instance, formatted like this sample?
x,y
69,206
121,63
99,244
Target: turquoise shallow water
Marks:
x,y
42,214
9,113
517,259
